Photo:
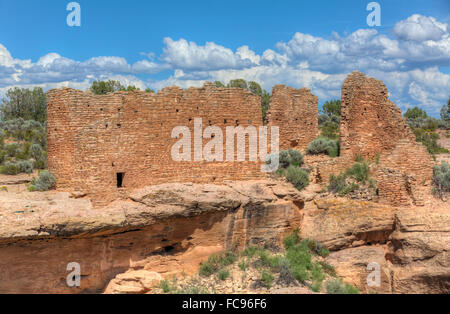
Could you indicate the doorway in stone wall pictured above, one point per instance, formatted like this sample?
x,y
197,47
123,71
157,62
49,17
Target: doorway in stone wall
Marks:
x,y
119,179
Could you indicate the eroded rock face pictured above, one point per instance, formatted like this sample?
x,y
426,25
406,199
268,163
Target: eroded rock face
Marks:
x,y
355,265
419,250
342,223
410,245
169,229
165,229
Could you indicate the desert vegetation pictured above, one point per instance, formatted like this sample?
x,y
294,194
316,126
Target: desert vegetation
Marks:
x,y
328,141
441,180
424,127
355,178
300,262
290,163
23,144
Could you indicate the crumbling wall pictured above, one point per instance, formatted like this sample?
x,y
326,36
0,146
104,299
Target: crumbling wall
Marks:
x,y
411,158
373,127
370,123
92,139
398,188
295,112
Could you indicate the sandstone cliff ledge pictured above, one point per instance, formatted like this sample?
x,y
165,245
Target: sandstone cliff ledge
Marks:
x,y
171,226
167,229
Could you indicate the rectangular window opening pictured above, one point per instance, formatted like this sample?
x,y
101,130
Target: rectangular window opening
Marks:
x,y
120,176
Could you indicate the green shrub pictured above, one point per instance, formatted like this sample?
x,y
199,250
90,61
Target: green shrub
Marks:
x,y
297,158
223,274
165,286
250,251
316,247
44,182
292,239
441,179
268,260
286,276
2,156
330,129
360,171
12,149
336,286
227,258
243,265
206,269
317,276
193,288
342,184
25,166
327,268
36,151
40,164
267,278
298,177
10,168
216,262
322,145
337,183
285,159
24,152
300,260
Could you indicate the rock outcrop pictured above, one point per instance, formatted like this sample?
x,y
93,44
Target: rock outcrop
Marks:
x,y
419,251
164,229
409,245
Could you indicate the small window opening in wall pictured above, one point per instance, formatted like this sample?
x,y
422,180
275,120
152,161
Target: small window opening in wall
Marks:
x,y
119,126
120,176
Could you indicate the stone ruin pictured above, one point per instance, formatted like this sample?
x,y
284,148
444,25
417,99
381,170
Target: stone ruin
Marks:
x,y
105,145
296,113
373,127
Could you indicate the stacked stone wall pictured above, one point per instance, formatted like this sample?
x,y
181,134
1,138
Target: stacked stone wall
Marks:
x,y
295,112
92,139
370,123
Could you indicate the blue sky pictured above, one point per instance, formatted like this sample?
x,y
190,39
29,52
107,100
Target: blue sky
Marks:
x,y
298,43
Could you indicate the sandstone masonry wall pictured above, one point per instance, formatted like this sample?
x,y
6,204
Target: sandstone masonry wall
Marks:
x,y
373,127
295,112
370,123
93,139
